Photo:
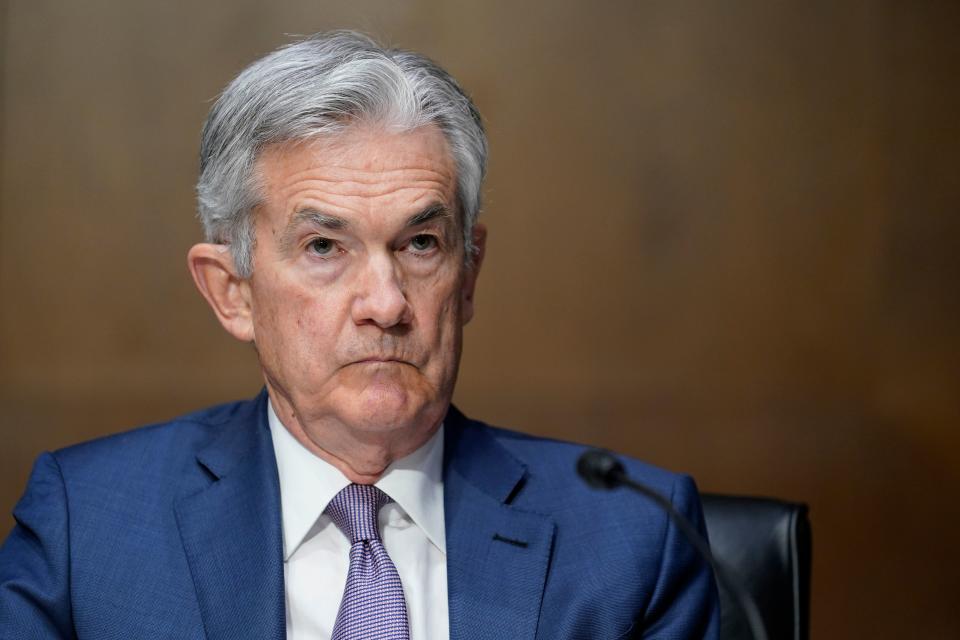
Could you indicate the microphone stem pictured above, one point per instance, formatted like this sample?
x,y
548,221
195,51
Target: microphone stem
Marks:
x,y
724,574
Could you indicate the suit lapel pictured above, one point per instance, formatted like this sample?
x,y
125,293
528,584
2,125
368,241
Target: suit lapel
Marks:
x,y
231,531
497,554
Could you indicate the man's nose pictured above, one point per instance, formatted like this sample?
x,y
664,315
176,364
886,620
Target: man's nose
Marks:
x,y
380,298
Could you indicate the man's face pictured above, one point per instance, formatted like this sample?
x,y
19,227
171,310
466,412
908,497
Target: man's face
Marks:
x,y
359,290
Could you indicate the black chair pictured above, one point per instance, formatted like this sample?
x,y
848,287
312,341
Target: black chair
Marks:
x,y
767,544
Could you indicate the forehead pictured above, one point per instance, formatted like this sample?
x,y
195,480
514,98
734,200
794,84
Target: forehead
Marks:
x,y
358,169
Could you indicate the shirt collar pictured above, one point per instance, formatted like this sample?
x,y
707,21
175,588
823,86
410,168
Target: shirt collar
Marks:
x,y
308,483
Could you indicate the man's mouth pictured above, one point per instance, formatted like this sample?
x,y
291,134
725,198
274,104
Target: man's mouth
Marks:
x,y
380,360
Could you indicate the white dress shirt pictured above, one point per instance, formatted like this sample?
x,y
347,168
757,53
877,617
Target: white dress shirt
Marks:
x,y
316,552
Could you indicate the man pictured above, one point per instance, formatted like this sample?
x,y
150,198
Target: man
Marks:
x,y
339,191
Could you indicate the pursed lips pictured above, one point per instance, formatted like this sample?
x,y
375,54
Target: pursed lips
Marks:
x,y
380,359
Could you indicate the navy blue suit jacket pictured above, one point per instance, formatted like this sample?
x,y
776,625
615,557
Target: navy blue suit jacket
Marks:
x,y
174,531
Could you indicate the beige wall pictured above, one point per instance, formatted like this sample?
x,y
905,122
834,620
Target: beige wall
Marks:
x,y
724,238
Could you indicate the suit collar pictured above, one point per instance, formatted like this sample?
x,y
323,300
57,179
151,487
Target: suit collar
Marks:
x,y
239,435
231,530
472,453
497,554
308,483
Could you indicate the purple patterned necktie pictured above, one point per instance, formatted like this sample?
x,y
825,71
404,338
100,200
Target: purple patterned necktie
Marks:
x,y
372,607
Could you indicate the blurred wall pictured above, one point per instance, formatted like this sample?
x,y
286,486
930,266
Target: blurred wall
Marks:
x,y
723,238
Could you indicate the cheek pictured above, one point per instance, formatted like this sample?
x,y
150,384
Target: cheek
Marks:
x,y
442,313
289,327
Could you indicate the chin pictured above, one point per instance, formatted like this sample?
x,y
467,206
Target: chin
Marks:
x,y
411,420
386,408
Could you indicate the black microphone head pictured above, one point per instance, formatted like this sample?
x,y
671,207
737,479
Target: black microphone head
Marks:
x,y
600,469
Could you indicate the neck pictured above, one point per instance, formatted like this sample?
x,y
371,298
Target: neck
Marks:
x,y
359,455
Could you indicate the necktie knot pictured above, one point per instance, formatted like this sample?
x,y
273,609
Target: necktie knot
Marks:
x,y
354,510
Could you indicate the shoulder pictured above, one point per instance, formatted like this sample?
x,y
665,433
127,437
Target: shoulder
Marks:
x,y
182,432
552,486
553,462
612,549
153,456
549,456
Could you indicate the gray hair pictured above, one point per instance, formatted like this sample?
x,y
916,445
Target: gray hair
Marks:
x,y
323,85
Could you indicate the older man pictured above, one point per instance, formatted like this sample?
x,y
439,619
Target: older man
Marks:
x,y
339,191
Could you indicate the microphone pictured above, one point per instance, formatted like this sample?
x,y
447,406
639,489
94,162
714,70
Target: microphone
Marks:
x,y
602,470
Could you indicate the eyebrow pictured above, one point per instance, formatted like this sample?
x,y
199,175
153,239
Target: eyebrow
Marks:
x,y
336,223
327,221
312,217
432,212
317,219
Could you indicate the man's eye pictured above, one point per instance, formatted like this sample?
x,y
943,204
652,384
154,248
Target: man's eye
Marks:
x,y
322,246
423,242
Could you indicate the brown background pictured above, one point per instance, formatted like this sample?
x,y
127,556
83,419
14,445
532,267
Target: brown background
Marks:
x,y
724,238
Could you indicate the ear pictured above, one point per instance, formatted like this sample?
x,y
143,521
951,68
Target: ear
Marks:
x,y
473,270
215,275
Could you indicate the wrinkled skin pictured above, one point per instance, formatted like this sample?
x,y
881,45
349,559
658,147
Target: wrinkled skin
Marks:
x,y
359,291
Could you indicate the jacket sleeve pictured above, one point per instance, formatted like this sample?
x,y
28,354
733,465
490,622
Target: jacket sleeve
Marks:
x,y
685,604
34,560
